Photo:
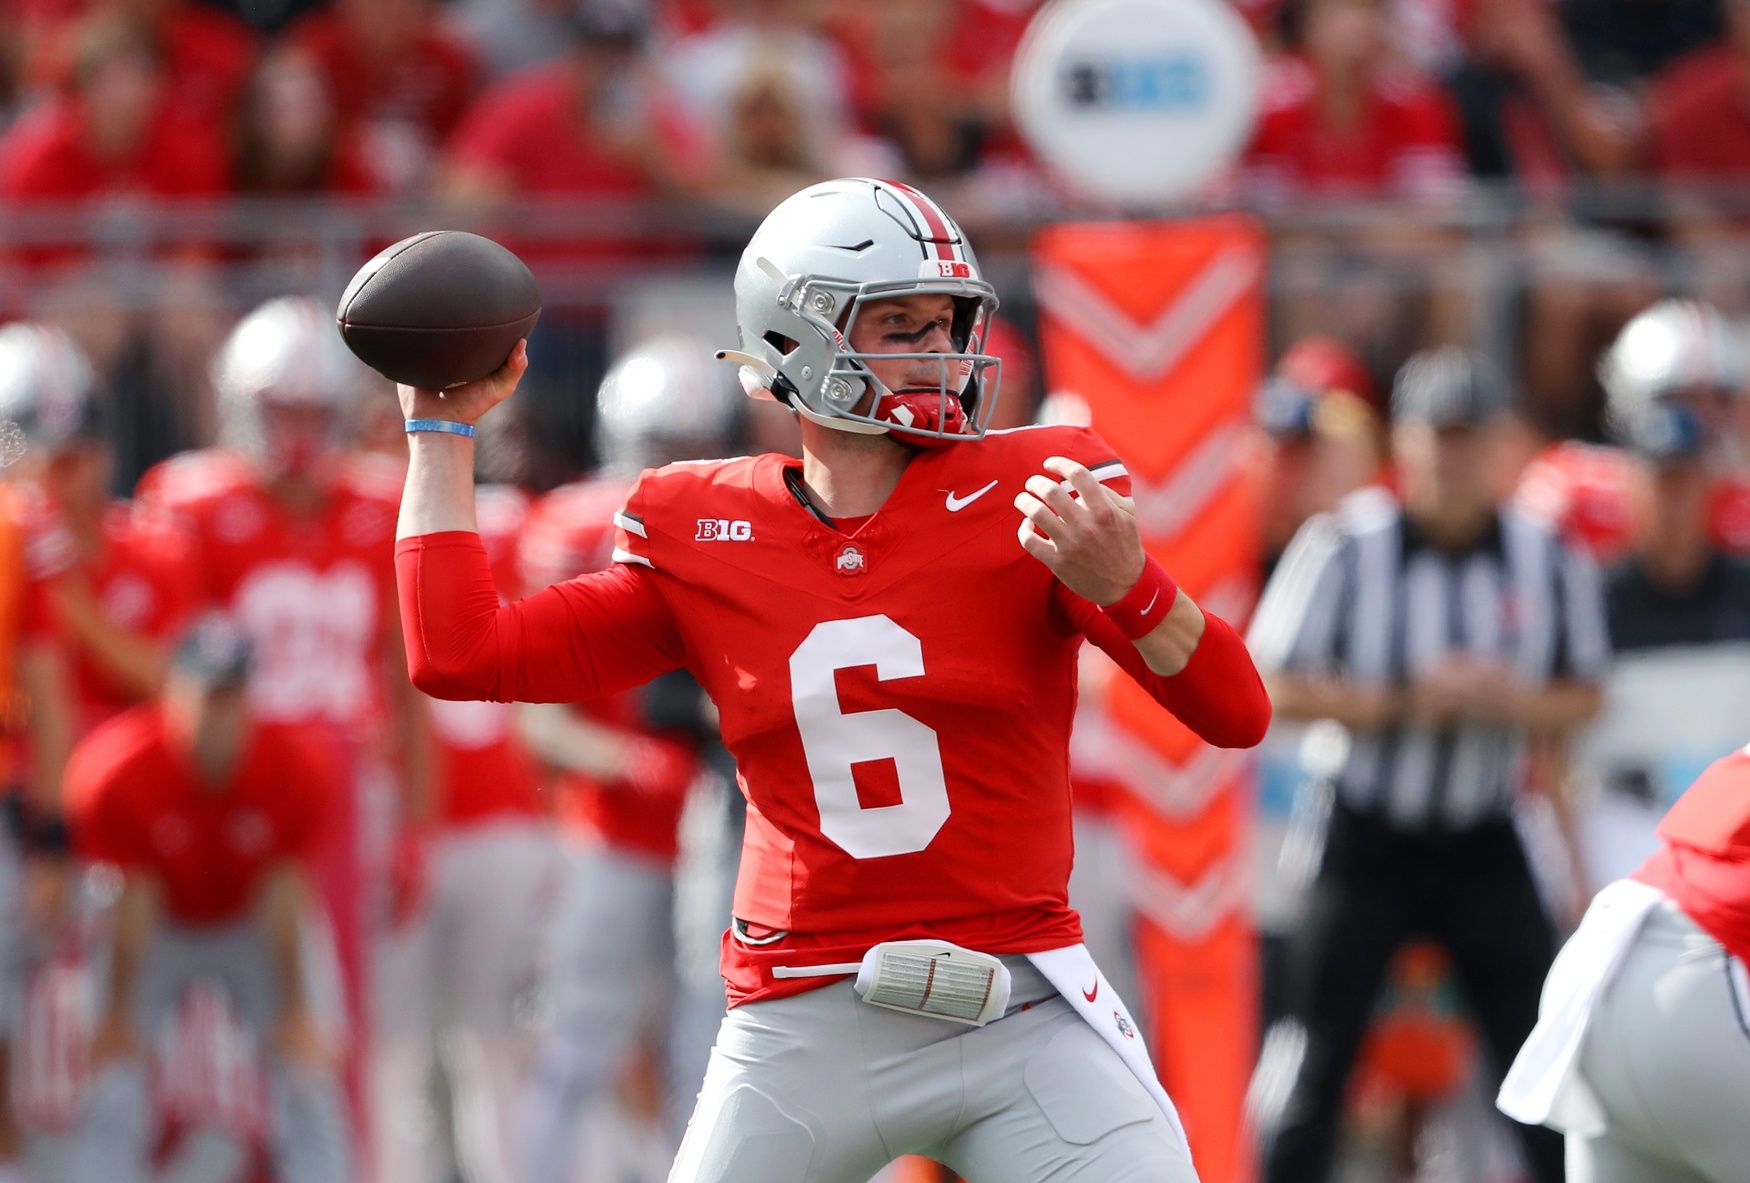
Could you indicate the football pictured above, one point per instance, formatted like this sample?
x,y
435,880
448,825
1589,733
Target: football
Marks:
x,y
438,309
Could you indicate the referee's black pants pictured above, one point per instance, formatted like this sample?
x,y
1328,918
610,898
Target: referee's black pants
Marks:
x,y
1377,888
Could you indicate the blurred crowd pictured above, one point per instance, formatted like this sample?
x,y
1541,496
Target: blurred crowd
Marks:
x,y
1596,146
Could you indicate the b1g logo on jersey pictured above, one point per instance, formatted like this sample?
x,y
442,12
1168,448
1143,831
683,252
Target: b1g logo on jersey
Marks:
x,y
723,530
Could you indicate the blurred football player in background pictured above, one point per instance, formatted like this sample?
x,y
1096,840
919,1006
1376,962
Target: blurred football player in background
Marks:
x,y
107,586
457,978
40,371
1679,351
625,767
1679,614
211,815
291,537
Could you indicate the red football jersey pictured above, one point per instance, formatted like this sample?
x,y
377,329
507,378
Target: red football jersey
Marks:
x,y
897,700
1583,491
141,581
571,532
1704,864
314,593
135,800
483,770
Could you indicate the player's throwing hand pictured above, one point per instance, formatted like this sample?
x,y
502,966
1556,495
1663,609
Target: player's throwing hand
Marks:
x,y
1085,533
467,402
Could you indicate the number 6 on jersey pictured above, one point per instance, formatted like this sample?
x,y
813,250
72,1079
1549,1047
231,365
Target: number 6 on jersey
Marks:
x,y
833,740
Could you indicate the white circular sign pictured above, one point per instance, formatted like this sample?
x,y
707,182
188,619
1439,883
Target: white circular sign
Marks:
x,y
1136,101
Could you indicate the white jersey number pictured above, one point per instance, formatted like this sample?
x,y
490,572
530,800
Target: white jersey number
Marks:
x,y
833,740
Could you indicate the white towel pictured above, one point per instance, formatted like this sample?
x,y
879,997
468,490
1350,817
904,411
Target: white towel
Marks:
x,y
1545,1085
1072,970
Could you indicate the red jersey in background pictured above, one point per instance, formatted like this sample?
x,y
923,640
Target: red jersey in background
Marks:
x,y
569,533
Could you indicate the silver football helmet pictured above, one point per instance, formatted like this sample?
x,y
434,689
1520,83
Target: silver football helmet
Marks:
x,y
286,352
1672,346
804,277
47,391
662,401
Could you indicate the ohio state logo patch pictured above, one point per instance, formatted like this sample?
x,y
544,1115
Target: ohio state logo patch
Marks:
x,y
850,560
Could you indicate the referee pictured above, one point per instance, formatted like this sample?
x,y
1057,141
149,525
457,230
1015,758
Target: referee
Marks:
x,y
1442,631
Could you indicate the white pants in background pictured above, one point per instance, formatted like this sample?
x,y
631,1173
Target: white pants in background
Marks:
x,y
453,982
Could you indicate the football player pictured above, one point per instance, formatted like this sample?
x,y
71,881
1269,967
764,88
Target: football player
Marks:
x,y
1641,1053
105,589
892,653
1682,351
291,539
626,766
454,979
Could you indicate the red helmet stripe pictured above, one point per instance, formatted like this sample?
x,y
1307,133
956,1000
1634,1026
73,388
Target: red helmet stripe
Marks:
x,y
941,236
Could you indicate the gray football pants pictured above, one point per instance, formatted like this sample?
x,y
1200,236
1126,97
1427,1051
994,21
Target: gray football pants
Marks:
x,y
311,1142
824,1088
1668,1055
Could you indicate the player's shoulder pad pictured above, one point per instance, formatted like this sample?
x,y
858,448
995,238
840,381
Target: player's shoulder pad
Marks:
x,y
100,764
569,531
373,477
188,478
668,502
500,509
1029,447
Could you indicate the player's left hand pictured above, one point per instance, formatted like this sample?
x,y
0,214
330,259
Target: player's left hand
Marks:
x,y
1086,534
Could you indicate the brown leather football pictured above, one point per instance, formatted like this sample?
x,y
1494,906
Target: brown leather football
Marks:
x,y
438,309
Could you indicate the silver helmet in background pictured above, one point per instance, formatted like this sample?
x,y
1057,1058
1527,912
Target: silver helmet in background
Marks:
x,y
664,400
287,356
48,391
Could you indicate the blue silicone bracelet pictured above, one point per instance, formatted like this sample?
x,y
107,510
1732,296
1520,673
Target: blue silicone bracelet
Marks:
x,y
446,426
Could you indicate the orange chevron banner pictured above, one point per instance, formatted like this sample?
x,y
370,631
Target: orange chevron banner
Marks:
x,y
1159,328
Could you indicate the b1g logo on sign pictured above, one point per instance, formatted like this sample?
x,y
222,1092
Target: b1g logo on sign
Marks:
x,y
723,530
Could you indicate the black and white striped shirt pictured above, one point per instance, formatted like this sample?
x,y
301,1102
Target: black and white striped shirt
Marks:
x,y
1360,596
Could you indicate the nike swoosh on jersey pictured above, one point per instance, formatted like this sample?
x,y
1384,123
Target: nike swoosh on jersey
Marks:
x,y
956,504
1090,995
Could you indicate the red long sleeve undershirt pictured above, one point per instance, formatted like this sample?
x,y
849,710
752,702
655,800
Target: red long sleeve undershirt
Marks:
x,y
606,632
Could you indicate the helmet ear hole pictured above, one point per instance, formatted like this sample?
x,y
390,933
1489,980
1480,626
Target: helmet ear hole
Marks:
x,y
781,385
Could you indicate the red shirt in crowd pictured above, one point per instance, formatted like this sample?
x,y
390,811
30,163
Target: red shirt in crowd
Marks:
x,y
483,770
531,136
47,163
135,800
897,697
426,84
1405,144
207,54
571,532
1704,865
1699,118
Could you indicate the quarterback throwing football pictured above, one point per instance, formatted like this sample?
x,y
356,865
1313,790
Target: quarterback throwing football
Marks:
x,y
893,656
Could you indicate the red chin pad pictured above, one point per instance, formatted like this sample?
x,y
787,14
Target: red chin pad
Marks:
x,y
923,410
